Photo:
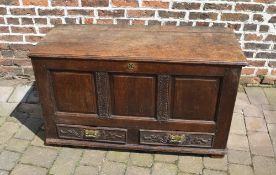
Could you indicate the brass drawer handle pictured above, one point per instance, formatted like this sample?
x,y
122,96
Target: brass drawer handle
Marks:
x,y
91,133
176,138
131,66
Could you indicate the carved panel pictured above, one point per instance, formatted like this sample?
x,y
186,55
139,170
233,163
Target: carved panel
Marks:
x,y
175,138
103,94
69,132
163,97
97,134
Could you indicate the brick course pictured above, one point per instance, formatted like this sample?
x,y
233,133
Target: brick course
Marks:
x,y
24,22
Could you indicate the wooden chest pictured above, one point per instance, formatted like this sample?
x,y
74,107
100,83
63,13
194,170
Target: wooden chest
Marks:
x,y
162,89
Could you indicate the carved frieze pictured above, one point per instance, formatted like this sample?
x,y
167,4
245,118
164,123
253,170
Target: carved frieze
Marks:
x,y
163,97
98,134
103,94
175,138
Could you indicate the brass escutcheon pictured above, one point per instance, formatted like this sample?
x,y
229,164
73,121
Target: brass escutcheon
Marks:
x,y
176,138
130,66
91,133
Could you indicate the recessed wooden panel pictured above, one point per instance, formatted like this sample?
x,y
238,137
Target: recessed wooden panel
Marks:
x,y
133,95
74,92
195,99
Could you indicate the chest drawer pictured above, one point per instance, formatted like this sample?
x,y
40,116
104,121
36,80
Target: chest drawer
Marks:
x,y
176,138
96,134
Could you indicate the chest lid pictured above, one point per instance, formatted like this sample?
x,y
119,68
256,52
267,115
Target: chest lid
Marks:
x,y
200,45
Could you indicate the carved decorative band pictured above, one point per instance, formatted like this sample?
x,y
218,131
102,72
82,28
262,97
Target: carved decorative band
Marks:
x,y
175,138
103,94
110,135
163,97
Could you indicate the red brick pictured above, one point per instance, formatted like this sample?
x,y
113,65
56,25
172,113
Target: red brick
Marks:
x,y
104,21
11,38
22,29
24,47
156,4
40,21
64,2
264,28
170,23
199,15
27,21
123,21
261,72
9,2
272,19
154,22
95,3
247,71
272,64
234,26
21,54
113,13
2,21
9,71
3,11
253,37
183,23
256,63
32,38
250,7
22,62
248,54
256,46
250,27
51,12
22,11
4,29
140,13
213,6
55,21
170,14
125,3
44,30
35,2
269,55
7,53
82,12
186,5
271,9
271,38
265,1
13,21
70,20
202,24
138,22
6,62
88,21
258,17
234,17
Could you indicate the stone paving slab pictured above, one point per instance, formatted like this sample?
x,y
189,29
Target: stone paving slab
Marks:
x,y
256,95
251,144
270,95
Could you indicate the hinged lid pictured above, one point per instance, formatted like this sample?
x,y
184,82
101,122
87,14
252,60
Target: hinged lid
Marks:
x,y
200,45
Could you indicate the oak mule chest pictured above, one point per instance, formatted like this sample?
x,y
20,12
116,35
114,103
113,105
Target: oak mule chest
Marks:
x,y
163,89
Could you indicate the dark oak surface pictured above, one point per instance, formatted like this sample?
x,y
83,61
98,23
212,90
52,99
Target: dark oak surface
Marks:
x,y
138,88
152,43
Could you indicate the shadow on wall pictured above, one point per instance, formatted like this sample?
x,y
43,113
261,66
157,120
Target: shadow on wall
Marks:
x,y
23,106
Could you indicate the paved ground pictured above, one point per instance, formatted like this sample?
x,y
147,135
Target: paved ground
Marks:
x,y
252,142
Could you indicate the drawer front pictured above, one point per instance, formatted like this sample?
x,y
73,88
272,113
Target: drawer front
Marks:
x,y
175,138
97,134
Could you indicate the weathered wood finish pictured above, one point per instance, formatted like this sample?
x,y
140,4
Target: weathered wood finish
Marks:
x,y
156,92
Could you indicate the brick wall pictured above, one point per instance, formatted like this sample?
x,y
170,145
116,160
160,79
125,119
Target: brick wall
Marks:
x,y
24,22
